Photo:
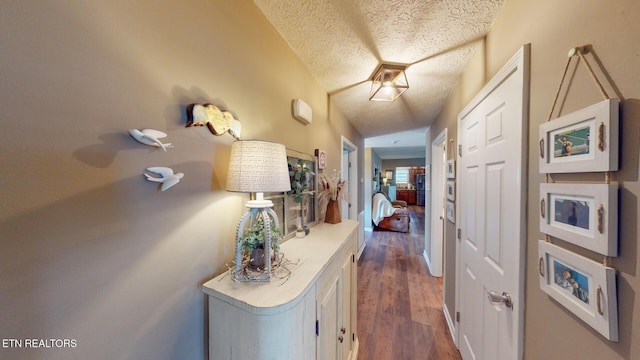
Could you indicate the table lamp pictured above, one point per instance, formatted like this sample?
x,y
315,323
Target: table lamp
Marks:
x,y
256,167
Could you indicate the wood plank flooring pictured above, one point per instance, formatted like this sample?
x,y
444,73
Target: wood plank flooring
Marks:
x,y
400,314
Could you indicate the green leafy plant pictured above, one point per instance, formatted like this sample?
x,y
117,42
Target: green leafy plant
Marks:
x,y
299,174
254,236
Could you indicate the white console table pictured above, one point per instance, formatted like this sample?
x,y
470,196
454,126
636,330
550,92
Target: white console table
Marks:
x,y
311,315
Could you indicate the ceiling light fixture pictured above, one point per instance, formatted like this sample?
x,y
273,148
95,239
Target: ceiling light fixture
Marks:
x,y
388,82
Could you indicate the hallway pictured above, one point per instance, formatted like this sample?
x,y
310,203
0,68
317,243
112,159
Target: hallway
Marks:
x,y
399,304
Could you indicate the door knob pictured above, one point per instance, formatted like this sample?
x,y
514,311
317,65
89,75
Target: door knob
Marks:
x,y
496,298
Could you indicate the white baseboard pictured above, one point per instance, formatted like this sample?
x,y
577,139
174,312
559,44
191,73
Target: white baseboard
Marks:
x,y
361,230
426,258
361,249
450,323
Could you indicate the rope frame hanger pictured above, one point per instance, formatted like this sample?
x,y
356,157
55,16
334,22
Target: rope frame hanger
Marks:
x,y
579,52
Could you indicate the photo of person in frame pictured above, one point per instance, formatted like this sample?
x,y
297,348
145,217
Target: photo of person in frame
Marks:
x,y
566,146
572,142
571,281
572,212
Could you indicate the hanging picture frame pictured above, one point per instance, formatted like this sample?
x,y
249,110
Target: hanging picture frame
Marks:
x,y
300,211
582,141
582,214
451,190
451,169
583,286
451,212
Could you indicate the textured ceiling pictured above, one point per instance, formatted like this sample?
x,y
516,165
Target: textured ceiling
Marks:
x,y
342,42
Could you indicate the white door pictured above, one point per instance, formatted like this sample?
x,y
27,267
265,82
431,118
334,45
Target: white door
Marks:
x,y
491,216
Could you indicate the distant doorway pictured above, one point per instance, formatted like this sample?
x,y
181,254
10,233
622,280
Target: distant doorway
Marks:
x,y
433,254
348,207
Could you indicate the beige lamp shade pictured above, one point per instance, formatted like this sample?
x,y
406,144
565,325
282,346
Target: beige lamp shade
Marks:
x,y
258,166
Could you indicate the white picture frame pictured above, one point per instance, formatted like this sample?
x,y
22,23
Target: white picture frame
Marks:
x,y
582,141
451,169
451,212
582,214
583,286
451,190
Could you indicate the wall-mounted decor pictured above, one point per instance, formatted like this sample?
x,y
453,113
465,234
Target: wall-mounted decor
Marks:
x,y
297,210
582,214
583,286
451,169
451,190
150,137
583,141
322,159
300,200
451,212
236,129
167,177
217,121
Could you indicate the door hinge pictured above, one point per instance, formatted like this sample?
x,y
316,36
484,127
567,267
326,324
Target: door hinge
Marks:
x,y
317,328
457,316
353,258
353,336
349,164
459,234
459,150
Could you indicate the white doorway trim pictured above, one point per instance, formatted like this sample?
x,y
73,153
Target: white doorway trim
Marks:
x,y
438,174
350,166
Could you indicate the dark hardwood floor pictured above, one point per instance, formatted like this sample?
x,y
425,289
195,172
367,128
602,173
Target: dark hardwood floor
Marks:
x,y
399,304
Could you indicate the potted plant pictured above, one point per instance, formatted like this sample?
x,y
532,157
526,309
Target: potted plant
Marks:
x,y
253,240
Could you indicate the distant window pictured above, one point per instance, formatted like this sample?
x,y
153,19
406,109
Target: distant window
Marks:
x,y
402,175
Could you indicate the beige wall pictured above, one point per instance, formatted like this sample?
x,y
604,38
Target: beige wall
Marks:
x,y
391,164
552,28
89,250
471,81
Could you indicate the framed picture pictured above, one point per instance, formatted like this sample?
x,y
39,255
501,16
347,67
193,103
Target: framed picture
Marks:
x,y
451,169
582,214
451,190
296,211
451,212
583,141
583,286
388,174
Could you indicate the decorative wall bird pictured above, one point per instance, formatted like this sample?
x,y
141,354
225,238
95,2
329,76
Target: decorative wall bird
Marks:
x,y
168,177
150,137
